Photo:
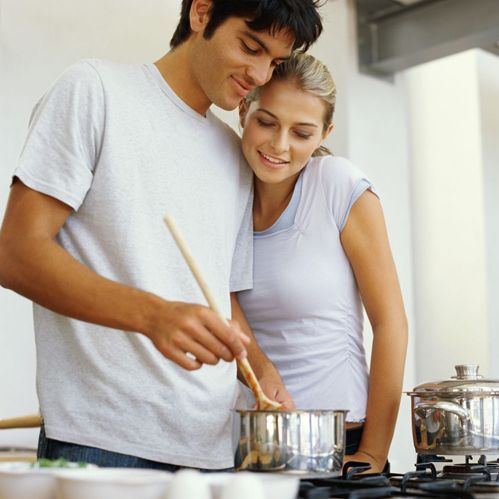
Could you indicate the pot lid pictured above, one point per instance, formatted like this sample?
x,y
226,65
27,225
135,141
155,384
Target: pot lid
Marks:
x,y
467,380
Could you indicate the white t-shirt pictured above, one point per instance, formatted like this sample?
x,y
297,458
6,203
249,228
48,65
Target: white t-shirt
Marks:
x,y
115,143
304,308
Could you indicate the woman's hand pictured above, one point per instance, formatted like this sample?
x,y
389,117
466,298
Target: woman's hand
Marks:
x,y
274,388
265,371
377,465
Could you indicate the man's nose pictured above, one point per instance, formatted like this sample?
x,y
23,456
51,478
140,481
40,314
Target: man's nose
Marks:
x,y
260,73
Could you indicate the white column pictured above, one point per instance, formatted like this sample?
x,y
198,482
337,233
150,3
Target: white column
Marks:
x,y
488,77
455,181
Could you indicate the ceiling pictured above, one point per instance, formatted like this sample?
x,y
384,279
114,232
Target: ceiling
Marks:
x,y
396,34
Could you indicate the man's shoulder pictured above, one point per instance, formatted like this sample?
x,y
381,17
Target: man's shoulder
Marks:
x,y
225,130
101,69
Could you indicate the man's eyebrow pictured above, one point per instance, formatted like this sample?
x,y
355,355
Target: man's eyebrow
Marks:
x,y
260,42
261,109
257,40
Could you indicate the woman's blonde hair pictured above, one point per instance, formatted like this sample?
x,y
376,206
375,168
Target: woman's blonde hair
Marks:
x,y
311,76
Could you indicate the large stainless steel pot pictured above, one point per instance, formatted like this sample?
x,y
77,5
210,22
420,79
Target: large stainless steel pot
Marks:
x,y
458,415
300,442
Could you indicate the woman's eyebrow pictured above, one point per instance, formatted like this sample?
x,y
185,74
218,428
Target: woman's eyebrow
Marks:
x,y
304,123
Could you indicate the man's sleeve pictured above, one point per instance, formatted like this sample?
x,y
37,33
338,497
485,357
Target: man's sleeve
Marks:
x,y
65,137
241,277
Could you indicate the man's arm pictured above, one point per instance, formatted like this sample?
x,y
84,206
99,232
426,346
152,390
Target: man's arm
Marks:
x,y
265,371
35,266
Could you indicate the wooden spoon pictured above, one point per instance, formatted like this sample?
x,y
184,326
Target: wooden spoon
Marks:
x,y
262,401
30,421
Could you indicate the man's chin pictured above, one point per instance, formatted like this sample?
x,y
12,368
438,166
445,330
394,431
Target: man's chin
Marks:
x,y
228,104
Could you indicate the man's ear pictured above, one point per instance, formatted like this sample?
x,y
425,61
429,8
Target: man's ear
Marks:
x,y
243,109
200,14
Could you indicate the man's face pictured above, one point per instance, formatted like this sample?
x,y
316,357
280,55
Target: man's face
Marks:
x,y
235,60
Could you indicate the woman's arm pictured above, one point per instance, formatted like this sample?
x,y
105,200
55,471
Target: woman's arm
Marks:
x,y
365,241
266,373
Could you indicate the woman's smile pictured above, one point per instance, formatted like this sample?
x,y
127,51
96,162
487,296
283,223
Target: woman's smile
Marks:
x,y
272,161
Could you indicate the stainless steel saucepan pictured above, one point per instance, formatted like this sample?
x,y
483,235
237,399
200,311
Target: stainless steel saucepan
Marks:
x,y
456,416
308,442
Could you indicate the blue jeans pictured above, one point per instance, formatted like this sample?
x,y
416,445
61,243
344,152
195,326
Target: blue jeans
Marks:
x,y
55,449
353,439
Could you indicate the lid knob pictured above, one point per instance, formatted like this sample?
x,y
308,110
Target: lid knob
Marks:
x,y
467,371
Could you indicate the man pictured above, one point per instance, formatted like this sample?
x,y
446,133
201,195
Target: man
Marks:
x,y
128,365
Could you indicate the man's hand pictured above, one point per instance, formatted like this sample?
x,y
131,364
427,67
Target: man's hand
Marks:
x,y
192,335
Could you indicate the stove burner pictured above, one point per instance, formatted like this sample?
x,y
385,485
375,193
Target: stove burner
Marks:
x,y
424,471
374,486
465,480
468,470
447,487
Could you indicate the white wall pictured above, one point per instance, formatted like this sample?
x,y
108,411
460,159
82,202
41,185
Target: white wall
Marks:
x,y
455,179
38,40
488,78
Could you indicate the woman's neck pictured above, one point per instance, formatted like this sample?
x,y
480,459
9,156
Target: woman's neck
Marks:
x,y
270,201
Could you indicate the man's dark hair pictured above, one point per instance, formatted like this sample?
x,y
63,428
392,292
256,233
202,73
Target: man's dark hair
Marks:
x,y
300,17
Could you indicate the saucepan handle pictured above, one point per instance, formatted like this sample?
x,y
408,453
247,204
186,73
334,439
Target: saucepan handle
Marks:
x,y
426,407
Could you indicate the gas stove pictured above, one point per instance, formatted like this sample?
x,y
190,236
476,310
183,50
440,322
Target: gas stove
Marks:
x,y
433,477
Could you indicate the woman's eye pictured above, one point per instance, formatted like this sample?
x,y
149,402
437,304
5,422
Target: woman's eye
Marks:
x,y
263,122
248,49
302,135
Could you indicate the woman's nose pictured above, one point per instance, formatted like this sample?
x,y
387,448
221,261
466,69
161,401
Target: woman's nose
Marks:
x,y
279,142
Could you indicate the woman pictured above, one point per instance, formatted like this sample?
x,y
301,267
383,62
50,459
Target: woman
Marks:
x,y
321,252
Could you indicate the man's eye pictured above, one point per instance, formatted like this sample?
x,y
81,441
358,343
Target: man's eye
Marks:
x,y
248,49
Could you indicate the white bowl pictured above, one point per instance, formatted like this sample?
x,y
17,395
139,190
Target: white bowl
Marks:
x,y
112,483
275,486
189,484
21,481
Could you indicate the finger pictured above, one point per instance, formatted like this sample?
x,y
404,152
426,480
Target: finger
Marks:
x,y
286,403
239,330
226,334
180,358
244,338
203,355
211,343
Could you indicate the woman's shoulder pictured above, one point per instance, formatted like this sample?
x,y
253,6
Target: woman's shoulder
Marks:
x,y
341,182
334,171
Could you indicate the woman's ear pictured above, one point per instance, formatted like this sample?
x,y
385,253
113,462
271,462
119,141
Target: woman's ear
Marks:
x,y
243,110
328,130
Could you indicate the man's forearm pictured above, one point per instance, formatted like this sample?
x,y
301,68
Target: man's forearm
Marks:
x,y
34,265
44,272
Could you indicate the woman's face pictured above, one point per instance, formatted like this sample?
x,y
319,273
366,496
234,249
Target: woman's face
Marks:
x,y
281,130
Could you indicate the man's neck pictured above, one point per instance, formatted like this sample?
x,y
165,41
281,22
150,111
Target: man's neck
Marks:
x,y
175,69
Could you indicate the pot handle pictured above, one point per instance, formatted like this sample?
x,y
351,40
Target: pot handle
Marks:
x,y
422,409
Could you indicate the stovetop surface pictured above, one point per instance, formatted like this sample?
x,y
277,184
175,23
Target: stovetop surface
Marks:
x,y
433,477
